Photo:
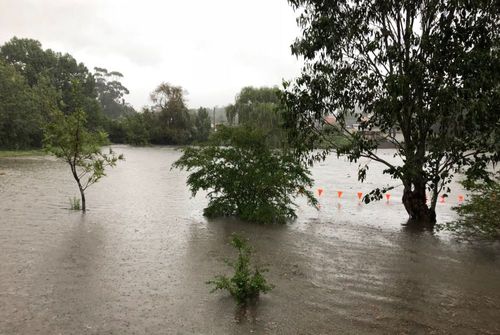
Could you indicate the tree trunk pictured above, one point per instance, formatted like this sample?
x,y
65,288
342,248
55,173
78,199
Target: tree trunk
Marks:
x,y
82,193
414,200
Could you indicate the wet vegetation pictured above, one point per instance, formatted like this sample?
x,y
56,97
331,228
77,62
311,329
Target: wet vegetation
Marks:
x,y
67,138
248,281
420,76
246,177
35,82
428,71
479,216
74,204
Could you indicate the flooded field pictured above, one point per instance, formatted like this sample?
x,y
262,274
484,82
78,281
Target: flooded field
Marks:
x,y
137,261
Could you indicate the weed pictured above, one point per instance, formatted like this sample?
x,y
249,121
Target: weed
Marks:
x,y
74,203
246,284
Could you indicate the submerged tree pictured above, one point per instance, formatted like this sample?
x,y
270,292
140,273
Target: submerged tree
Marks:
x,y
244,177
68,139
428,70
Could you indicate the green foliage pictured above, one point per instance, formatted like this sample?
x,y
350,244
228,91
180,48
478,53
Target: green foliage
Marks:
x,y
480,216
58,71
67,138
246,284
136,130
116,130
111,92
27,56
35,82
245,177
202,124
173,124
74,204
20,119
258,108
429,71
150,127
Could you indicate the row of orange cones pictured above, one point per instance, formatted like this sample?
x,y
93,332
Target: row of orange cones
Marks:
x,y
387,196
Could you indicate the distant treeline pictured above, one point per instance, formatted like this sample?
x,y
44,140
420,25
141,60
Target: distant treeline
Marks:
x,y
35,82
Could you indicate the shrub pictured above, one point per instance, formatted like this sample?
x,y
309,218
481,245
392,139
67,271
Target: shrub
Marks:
x,y
480,216
245,177
246,284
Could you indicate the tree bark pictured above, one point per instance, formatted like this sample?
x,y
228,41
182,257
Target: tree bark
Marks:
x,y
82,193
414,200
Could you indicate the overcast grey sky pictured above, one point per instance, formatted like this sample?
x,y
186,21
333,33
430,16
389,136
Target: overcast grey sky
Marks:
x,y
211,48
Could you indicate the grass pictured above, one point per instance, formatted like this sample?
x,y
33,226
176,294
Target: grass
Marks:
x,y
74,203
21,153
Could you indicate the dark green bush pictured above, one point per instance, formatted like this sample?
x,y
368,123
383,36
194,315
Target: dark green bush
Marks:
x,y
246,177
479,216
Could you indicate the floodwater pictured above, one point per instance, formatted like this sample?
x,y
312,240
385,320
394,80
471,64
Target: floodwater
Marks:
x,y
137,261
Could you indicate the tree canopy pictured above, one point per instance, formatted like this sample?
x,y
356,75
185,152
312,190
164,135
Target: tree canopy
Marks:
x,y
111,93
68,138
173,119
36,82
36,64
202,124
427,70
20,119
258,107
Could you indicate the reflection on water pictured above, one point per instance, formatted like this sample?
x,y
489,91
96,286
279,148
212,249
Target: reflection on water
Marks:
x,y
137,262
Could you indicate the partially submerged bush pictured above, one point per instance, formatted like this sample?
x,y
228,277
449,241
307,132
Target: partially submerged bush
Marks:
x,y
245,177
480,216
246,284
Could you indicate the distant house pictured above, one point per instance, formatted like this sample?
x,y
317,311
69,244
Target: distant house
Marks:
x,y
353,122
349,119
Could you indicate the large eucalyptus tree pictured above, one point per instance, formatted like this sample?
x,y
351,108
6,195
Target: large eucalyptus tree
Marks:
x,y
427,69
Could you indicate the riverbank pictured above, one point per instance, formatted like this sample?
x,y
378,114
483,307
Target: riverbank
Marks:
x,y
22,153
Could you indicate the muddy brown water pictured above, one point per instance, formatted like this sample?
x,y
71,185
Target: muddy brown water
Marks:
x,y
137,261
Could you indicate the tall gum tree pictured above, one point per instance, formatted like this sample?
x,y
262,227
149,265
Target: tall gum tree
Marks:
x,y
427,70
